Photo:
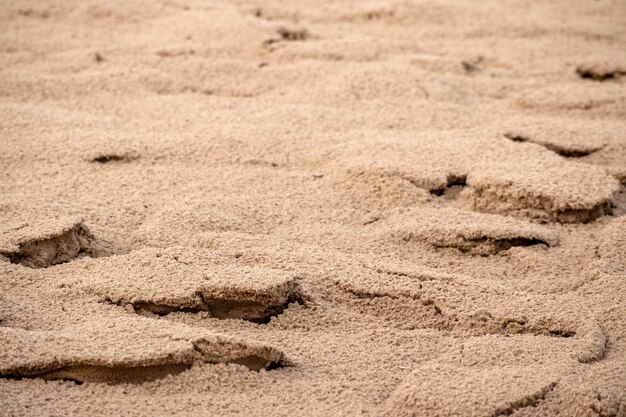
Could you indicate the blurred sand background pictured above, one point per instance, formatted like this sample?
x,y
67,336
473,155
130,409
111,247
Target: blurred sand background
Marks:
x,y
323,208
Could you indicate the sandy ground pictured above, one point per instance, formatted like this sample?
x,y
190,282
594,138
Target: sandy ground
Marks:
x,y
290,208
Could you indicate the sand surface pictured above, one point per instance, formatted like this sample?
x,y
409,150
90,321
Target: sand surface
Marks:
x,y
313,208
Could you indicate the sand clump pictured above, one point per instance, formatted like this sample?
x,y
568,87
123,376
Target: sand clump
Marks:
x,y
256,208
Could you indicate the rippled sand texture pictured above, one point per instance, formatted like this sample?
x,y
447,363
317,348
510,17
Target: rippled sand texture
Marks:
x,y
320,208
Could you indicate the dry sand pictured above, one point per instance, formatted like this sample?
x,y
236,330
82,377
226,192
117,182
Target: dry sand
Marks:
x,y
323,208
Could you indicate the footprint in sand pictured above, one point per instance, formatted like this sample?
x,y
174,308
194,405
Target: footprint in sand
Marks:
x,y
163,281
124,350
474,233
499,175
106,347
508,349
545,327
492,315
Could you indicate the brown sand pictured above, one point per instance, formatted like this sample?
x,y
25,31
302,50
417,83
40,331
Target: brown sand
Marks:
x,y
289,208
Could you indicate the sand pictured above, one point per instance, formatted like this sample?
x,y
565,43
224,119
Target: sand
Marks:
x,y
264,208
